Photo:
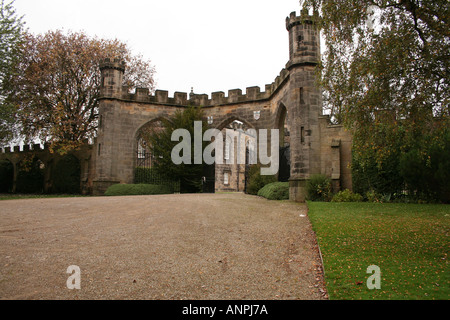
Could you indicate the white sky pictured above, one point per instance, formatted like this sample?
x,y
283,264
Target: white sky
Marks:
x,y
210,45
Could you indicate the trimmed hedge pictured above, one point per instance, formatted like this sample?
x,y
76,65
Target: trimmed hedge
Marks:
x,y
137,190
256,181
275,191
151,176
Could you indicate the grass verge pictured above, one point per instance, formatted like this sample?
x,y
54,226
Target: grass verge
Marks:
x,y
408,242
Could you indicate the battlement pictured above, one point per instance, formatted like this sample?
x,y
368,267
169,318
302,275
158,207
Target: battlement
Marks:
x,y
143,95
304,50
294,20
34,148
24,148
116,64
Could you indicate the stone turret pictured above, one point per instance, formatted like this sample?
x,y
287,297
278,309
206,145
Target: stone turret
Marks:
x,y
304,39
112,77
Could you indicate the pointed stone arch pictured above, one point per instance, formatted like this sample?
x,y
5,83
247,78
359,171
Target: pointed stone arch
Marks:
x,y
141,150
238,134
222,125
31,176
147,123
282,123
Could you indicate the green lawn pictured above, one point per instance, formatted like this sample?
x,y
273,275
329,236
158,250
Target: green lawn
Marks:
x,y
408,242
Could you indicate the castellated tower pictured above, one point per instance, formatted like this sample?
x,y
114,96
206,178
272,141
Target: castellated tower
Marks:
x,y
304,101
107,168
304,40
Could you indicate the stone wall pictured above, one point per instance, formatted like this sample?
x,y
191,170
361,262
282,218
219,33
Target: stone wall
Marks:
x,y
84,154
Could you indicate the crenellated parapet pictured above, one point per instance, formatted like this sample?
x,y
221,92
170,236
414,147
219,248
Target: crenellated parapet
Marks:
x,y
304,50
294,20
35,148
115,64
143,95
24,149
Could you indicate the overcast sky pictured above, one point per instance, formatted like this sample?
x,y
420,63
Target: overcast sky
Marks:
x,y
210,45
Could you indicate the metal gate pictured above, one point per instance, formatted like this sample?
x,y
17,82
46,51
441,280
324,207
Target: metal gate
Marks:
x,y
146,174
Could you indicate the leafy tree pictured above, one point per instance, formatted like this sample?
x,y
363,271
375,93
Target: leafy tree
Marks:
x,y
11,29
256,181
427,172
161,145
56,84
385,74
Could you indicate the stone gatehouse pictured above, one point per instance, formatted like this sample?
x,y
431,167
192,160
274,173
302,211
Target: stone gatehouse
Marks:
x,y
292,103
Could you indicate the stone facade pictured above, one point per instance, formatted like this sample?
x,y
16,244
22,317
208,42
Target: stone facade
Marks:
x,y
316,146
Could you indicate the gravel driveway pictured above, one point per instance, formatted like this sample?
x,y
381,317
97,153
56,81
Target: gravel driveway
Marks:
x,y
196,247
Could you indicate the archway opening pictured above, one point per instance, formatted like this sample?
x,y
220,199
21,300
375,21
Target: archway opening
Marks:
x,y
239,142
6,176
67,176
30,176
285,146
145,158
